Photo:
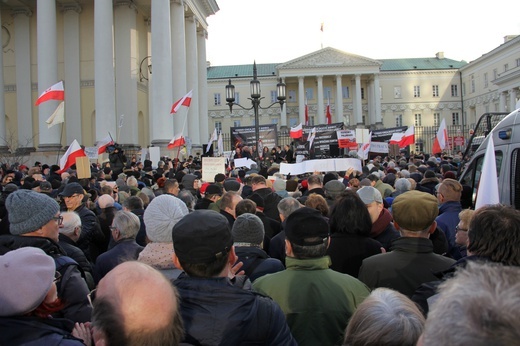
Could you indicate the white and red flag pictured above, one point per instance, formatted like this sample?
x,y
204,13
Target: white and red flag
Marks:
x,y
103,144
213,137
69,158
328,115
404,139
57,117
296,132
441,140
55,92
184,101
487,192
177,141
364,149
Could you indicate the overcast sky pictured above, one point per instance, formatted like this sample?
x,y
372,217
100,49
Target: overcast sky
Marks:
x,y
276,31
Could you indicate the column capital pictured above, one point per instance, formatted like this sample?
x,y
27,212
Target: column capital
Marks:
x,y
21,10
125,3
71,7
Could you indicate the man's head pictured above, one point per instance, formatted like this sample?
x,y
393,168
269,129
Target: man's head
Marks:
x,y
374,178
414,213
213,192
125,313
231,185
494,232
315,182
133,203
334,188
229,201
287,206
373,200
479,306
306,233
449,190
171,186
125,225
258,182
71,225
245,206
73,195
203,245
33,214
248,229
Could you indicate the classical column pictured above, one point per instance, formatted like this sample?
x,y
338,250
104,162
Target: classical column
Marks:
x,y
512,99
301,99
203,86
178,57
321,109
283,114
3,145
358,107
377,99
126,72
371,104
193,80
339,98
161,122
24,101
49,139
503,95
72,74
104,79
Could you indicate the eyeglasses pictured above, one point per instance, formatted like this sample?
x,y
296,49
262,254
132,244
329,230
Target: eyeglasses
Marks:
x,y
58,219
57,277
112,228
91,296
458,229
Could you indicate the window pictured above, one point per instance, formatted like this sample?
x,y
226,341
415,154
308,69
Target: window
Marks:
x,y
397,92
435,90
454,91
362,93
218,126
327,93
417,91
309,93
417,120
506,67
311,120
398,120
455,118
436,119
237,98
292,96
236,123
274,96
472,79
485,80
217,99
293,122
495,74
345,92
518,62
363,119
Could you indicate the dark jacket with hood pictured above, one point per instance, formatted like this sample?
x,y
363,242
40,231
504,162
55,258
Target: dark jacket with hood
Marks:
x,y
383,229
271,201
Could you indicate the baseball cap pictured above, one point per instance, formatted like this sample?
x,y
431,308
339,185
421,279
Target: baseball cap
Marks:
x,y
306,223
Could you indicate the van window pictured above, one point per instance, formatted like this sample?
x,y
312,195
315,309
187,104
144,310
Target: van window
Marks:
x,y
472,175
515,179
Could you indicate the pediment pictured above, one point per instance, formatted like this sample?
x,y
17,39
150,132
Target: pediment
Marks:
x,y
329,57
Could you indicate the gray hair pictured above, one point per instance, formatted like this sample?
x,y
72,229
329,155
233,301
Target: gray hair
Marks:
x,y
288,205
127,223
478,306
132,181
71,221
188,199
385,317
402,185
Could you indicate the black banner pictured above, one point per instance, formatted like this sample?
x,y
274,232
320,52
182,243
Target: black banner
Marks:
x,y
241,136
384,135
326,136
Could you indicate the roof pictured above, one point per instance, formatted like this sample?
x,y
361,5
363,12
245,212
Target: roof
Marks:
x,y
244,71
420,64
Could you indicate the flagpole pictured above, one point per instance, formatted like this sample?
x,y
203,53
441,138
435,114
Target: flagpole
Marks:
x,y
59,149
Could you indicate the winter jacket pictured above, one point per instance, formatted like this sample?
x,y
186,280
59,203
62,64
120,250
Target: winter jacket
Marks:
x,y
124,250
256,262
447,220
383,229
271,201
347,251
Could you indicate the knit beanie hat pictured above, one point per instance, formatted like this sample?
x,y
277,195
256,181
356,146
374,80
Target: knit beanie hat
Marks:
x,y
26,275
29,210
248,228
161,215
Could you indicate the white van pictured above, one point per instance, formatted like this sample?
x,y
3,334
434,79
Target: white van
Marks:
x,y
506,137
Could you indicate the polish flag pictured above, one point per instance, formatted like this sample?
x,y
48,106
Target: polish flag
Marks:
x,y
487,192
103,144
441,140
408,138
396,138
177,141
306,113
55,92
328,115
184,101
296,132
69,158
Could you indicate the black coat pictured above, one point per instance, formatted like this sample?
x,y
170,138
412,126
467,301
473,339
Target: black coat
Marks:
x,y
271,201
25,330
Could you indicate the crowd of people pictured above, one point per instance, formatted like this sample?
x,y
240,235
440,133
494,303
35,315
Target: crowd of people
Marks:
x,y
150,254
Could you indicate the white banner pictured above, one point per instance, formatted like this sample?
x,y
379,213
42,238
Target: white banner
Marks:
x,y
379,147
211,166
324,165
92,152
244,162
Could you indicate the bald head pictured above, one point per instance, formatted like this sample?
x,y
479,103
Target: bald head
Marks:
x,y
137,302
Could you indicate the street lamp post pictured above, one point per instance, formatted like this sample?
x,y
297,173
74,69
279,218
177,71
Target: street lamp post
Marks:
x,y
255,100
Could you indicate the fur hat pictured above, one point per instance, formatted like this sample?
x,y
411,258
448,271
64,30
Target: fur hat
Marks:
x,y
26,276
248,228
29,210
161,215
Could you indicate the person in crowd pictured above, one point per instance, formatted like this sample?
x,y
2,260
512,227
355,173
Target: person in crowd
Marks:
x,y
4,219
386,318
350,226
461,230
212,194
314,185
385,189
28,296
171,186
277,243
34,221
383,229
124,228
333,190
127,314
271,199
411,261
74,195
319,203
316,300
271,226
188,199
456,320
159,218
248,236
228,203
448,195
70,231
215,307
106,216
428,183
135,205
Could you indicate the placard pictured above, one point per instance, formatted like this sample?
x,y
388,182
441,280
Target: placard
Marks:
x,y
212,166
92,152
324,165
243,162
83,167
